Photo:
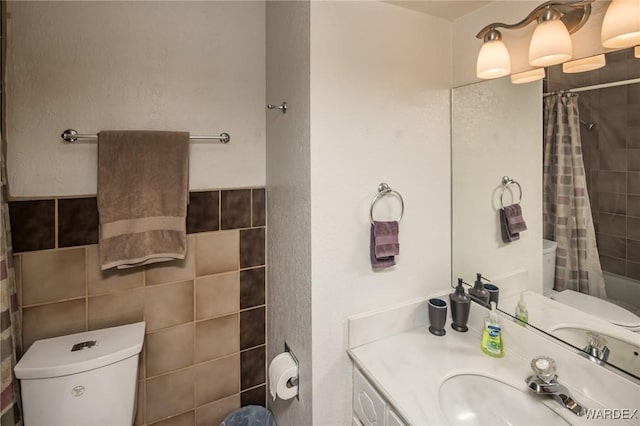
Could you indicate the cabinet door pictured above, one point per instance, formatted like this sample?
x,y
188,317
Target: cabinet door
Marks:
x,y
393,419
368,406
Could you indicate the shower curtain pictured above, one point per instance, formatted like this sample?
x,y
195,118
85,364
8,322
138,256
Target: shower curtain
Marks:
x,y
9,315
566,207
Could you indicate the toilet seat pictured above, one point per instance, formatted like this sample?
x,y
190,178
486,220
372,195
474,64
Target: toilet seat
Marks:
x,y
599,307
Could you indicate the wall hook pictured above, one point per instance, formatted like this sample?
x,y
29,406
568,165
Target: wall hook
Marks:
x,y
282,107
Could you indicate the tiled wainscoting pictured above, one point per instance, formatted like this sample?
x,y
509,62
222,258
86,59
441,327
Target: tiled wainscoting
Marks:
x,y
205,347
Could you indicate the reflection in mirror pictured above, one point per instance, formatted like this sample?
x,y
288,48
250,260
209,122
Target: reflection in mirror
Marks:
x,y
577,263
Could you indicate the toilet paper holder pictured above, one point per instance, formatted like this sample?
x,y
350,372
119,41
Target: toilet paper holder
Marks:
x,y
294,380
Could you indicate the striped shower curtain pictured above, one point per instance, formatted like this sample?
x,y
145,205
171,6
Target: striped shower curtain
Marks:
x,y
566,207
9,315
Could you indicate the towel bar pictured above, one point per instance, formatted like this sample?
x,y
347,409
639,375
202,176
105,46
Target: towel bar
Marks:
x,y
384,189
506,181
71,135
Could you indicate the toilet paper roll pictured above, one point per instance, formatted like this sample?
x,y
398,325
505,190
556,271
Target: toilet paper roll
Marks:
x,y
281,370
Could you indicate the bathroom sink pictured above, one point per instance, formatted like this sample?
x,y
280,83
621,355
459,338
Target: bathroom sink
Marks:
x,y
469,399
623,351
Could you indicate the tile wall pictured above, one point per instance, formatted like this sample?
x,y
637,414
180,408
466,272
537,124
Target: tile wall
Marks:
x,y
205,346
611,154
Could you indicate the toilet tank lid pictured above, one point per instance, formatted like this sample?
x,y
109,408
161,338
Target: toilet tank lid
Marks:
x,y
54,357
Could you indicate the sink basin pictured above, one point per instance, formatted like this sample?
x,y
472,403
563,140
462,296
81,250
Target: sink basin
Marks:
x,y
469,399
623,352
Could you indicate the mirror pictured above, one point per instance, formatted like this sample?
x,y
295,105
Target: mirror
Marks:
x,y
497,131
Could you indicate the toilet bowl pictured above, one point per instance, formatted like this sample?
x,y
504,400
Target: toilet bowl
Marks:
x,y
82,379
592,305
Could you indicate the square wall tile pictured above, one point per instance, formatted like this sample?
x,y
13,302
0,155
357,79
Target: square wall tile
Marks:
x,y
185,419
175,270
613,265
613,182
252,288
235,209
633,160
633,228
202,211
252,328
52,320
252,365
611,203
255,396
169,349
114,279
611,246
633,205
167,305
252,247
258,207
217,295
217,337
214,413
170,394
217,379
217,252
111,310
633,270
614,160
633,251
77,221
32,225
612,225
634,183
53,275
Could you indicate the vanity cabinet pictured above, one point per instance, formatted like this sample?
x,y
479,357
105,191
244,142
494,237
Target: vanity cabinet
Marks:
x,y
369,407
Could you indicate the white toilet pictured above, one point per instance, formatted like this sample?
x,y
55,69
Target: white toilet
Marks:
x,y
83,379
583,302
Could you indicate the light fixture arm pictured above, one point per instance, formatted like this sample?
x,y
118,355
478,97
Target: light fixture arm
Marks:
x,y
574,15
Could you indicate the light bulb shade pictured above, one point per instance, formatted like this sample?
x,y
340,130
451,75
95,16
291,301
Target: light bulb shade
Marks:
x,y
621,24
528,76
493,60
550,44
637,51
585,64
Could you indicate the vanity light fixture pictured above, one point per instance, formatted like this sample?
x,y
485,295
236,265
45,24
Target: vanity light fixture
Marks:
x,y
550,43
621,24
636,51
493,59
585,64
528,76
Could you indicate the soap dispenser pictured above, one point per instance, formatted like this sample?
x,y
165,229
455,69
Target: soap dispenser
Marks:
x,y
492,343
479,292
522,315
460,305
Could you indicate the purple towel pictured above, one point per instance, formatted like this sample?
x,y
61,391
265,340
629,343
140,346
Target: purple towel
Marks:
x,y
384,244
515,221
507,236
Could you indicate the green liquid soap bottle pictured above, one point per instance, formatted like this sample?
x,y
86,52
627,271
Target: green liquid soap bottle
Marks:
x,y
492,343
522,315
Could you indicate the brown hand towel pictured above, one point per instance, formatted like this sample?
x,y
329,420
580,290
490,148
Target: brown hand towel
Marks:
x,y
506,234
384,244
143,179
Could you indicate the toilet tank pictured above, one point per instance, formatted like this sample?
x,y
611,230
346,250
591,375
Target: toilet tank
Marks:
x,y
82,379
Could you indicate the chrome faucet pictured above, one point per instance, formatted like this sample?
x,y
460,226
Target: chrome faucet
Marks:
x,y
596,348
545,382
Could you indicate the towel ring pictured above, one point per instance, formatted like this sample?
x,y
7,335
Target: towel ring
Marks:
x,y
384,189
506,181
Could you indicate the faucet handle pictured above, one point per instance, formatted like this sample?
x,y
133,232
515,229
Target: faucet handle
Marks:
x,y
596,341
544,367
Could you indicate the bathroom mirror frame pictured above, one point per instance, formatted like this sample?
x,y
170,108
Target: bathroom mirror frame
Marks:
x,y
480,172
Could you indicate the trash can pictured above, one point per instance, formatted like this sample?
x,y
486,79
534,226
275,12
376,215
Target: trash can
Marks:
x,y
250,415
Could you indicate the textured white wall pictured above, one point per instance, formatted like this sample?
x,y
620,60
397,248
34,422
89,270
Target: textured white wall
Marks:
x,y
380,79
489,141
289,198
586,42
192,66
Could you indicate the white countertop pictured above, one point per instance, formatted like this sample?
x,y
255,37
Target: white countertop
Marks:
x,y
408,368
